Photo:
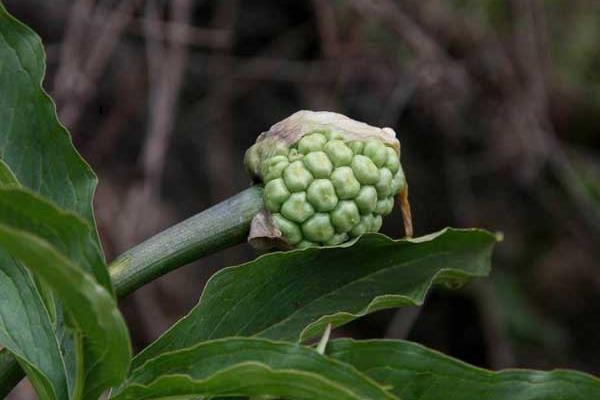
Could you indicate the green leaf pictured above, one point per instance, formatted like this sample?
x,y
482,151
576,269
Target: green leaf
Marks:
x,y
294,295
26,330
249,367
33,143
64,230
417,373
37,152
48,240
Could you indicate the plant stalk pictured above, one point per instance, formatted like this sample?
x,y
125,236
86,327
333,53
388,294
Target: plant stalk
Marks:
x,y
221,226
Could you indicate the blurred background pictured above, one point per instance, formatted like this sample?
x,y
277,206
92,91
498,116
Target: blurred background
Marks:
x,y
496,104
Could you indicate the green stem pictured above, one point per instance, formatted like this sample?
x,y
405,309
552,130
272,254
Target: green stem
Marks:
x,y
221,226
224,225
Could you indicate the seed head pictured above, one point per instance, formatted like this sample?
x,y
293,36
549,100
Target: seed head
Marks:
x,y
326,177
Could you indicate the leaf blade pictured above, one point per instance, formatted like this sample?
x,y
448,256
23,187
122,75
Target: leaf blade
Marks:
x,y
34,146
249,366
35,345
416,372
51,165
36,151
294,295
90,306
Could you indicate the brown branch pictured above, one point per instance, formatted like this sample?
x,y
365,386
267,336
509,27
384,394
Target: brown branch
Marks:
x,y
220,99
328,31
420,42
163,99
69,66
322,96
213,38
83,68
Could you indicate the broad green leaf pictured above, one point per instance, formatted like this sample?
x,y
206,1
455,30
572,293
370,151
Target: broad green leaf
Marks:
x,y
249,367
294,295
25,325
415,372
64,230
26,330
34,147
91,308
33,143
36,151
33,338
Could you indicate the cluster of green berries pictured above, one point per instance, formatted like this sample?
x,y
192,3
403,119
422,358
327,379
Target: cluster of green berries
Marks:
x,y
324,190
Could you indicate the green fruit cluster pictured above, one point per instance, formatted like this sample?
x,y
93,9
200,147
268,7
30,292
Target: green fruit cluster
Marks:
x,y
324,190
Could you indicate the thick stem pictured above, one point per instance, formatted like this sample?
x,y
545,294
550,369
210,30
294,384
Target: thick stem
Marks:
x,y
223,225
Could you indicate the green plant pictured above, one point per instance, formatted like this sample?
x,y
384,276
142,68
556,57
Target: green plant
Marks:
x,y
59,321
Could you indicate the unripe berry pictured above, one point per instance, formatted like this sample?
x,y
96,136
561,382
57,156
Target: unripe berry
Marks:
x,y
273,167
318,228
275,194
356,146
338,239
369,221
296,177
375,150
363,226
377,223
392,161
345,216
385,206
318,164
365,170
366,199
384,184
321,194
289,229
346,185
339,154
311,142
296,208
399,181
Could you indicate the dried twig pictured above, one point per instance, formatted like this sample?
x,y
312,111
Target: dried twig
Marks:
x,y
81,70
214,38
220,103
68,69
163,99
